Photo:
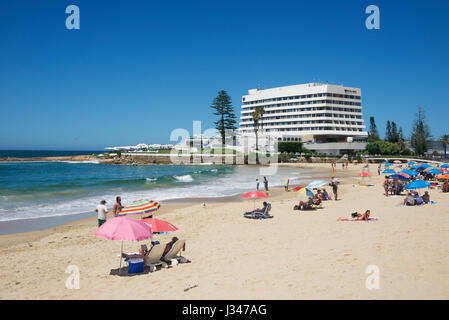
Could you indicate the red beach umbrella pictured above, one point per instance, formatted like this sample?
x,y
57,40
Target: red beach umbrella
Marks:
x,y
404,175
254,194
158,225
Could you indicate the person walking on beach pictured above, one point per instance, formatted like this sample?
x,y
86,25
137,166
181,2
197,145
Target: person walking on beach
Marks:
x,y
102,211
117,206
378,169
265,182
257,184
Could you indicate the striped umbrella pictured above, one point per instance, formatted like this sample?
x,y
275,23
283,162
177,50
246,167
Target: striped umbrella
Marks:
x,y
140,207
304,190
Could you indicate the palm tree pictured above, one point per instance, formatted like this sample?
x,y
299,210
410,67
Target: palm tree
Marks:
x,y
445,141
257,118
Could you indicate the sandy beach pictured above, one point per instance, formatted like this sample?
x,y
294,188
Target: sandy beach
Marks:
x,y
295,255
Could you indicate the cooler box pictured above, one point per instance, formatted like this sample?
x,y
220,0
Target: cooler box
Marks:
x,y
135,265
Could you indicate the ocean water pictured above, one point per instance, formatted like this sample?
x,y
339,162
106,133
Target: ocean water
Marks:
x,y
43,153
47,189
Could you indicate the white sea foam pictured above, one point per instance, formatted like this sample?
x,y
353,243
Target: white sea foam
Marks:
x,y
185,178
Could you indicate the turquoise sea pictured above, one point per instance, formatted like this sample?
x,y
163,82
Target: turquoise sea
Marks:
x,y
48,189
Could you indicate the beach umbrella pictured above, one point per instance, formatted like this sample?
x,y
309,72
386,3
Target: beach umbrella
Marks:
x,y
433,171
397,161
411,163
415,166
304,190
398,176
383,162
316,184
443,177
425,166
158,225
444,165
140,207
364,174
389,171
404,175
409,172
254,195
388,164
124,229
418,184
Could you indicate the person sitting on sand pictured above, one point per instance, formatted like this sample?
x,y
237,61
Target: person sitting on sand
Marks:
x,y
306,205
361,216
426,197
409,200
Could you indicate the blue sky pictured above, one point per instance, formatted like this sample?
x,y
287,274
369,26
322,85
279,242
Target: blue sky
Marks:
x,y
136,70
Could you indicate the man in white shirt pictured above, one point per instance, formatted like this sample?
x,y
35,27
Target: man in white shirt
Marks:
x,y
102,211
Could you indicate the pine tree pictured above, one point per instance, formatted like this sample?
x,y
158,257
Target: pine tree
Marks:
x,y
223,108
373,135
420,133
388,131
394,133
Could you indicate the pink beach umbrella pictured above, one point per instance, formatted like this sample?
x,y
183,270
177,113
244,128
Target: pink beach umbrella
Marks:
x,y
124,229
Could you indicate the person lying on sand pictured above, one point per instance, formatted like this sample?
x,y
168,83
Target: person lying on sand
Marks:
x,y
361,216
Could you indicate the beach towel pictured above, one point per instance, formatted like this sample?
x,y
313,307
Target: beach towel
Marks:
x,y
354,219
362,185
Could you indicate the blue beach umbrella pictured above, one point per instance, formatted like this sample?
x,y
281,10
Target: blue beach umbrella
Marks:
x,y
388,164
434,171
397,176
415,167
444,165
389,171
409,172
412,163
418,184
425,166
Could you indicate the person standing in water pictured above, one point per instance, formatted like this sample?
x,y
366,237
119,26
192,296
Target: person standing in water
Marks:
x,y
257,184
286,184
265,182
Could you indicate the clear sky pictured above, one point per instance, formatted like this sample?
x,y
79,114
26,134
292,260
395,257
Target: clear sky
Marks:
x,y
136,70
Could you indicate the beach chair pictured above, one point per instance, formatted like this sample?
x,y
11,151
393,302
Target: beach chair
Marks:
x,y
265,214
153,258
172,256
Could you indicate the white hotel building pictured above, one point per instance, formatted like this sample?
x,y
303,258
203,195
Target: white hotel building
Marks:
x,y
326,118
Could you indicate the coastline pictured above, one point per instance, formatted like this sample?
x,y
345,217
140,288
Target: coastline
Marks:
x,y
295,255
